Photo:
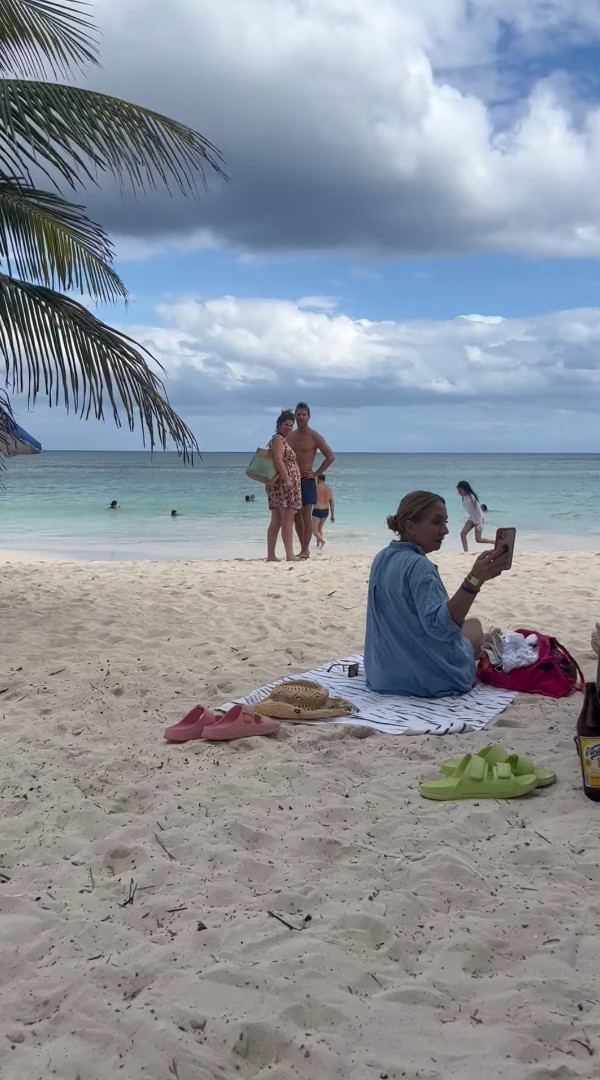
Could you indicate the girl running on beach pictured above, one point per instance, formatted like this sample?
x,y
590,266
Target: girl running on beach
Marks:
x,y
474,514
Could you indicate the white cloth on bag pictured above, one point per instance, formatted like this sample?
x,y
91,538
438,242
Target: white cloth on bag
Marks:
x,y
511,650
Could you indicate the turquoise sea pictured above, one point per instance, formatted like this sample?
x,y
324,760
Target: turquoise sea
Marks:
x,y
56,503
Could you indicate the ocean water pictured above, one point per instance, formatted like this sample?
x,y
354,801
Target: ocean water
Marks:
x,y
56,503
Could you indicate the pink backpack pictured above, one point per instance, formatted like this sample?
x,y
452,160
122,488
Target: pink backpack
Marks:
x,y
554,674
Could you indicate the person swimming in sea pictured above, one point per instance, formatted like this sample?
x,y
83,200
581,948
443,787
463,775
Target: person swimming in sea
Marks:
x,y
113,505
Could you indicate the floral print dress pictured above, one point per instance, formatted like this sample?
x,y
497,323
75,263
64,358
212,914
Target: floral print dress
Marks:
x,y
279,497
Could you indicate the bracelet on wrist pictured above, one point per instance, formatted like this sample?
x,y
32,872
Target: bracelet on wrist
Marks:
x,y
469,590
474,582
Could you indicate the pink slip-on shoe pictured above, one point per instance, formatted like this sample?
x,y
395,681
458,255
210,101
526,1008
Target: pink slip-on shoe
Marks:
x,y
241,723
192,725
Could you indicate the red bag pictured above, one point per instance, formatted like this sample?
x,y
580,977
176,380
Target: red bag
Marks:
x,y
554,674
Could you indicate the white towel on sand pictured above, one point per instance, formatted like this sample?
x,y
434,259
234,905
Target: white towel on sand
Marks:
x,y
399,715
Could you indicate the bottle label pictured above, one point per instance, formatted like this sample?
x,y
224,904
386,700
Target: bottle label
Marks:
x,y
589,751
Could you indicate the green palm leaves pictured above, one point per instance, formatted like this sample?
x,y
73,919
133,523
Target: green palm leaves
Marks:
x,y
51,344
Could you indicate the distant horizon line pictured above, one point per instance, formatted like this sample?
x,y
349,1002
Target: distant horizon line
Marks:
x,y
381,453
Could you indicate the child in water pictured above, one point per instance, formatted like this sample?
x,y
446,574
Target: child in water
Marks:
x,y
474,512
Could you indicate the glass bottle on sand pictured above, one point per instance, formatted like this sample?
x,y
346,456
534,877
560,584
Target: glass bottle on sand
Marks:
x,y
588,738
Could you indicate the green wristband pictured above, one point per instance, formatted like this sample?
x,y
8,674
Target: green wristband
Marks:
x,y
474,582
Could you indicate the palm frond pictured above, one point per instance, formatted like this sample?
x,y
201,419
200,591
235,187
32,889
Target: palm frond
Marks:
x,y
5,404
81,134
7,417
52,345
45,239
37,34
7,423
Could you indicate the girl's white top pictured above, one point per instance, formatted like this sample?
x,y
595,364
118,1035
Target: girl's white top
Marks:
x,y
472,509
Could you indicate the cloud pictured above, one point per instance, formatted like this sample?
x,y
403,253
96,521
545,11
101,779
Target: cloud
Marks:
x,y
369,127
477,382
318,303
140,249
229,355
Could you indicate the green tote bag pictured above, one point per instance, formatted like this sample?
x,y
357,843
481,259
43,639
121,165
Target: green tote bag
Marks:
x,y
262,468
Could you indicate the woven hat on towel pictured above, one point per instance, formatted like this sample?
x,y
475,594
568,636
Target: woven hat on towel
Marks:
x,y
301,699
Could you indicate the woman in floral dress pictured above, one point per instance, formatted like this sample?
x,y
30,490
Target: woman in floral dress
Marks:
x,y
283,492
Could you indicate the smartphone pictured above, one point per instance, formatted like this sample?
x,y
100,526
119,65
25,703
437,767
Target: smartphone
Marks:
x,y
505,538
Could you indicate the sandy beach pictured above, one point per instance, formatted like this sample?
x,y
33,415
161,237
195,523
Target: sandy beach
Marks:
x,y
278,908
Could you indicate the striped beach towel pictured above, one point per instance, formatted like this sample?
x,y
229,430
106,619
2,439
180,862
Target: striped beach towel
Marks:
x,y
398,715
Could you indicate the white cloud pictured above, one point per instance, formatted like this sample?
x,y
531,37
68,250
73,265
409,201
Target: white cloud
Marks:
x,y
370,126
480,383
139,249
318,303
231,353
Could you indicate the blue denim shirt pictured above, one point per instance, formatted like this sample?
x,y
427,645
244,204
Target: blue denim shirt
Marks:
x,y
412,645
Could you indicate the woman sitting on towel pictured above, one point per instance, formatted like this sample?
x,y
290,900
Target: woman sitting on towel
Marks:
x,y
418,641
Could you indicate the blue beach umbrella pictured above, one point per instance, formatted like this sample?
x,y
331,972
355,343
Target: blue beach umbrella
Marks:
x,y
18,441
14,439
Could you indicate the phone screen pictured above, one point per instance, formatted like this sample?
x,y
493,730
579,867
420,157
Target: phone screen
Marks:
x,y
505,538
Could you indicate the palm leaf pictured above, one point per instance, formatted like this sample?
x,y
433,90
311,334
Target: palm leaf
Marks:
x,y
6,411
54,346
35,34
7,423
45,239
81,133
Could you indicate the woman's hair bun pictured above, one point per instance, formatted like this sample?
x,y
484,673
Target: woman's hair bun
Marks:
x,y
285,414
412,508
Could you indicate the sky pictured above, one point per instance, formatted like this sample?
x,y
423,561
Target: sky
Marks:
x,y
409,238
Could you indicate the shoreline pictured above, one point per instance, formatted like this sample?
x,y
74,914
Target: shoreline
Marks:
x,y
214,555
55,506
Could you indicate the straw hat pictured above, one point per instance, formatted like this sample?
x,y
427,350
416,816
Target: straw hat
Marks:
x,y
301,699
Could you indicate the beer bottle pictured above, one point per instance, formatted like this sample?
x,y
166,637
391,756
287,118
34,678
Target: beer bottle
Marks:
x,y
588,739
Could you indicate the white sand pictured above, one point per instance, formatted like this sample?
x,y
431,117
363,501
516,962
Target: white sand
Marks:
x,y
430,940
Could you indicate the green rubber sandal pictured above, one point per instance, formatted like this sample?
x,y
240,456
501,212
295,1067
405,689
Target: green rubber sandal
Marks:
x,y
522,766
494,755
476,779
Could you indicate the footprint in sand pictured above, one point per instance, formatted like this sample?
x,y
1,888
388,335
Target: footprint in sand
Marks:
x,y
120,859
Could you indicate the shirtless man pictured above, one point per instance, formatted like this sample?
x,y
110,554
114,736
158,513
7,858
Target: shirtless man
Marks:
x,y
324,507
305,443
